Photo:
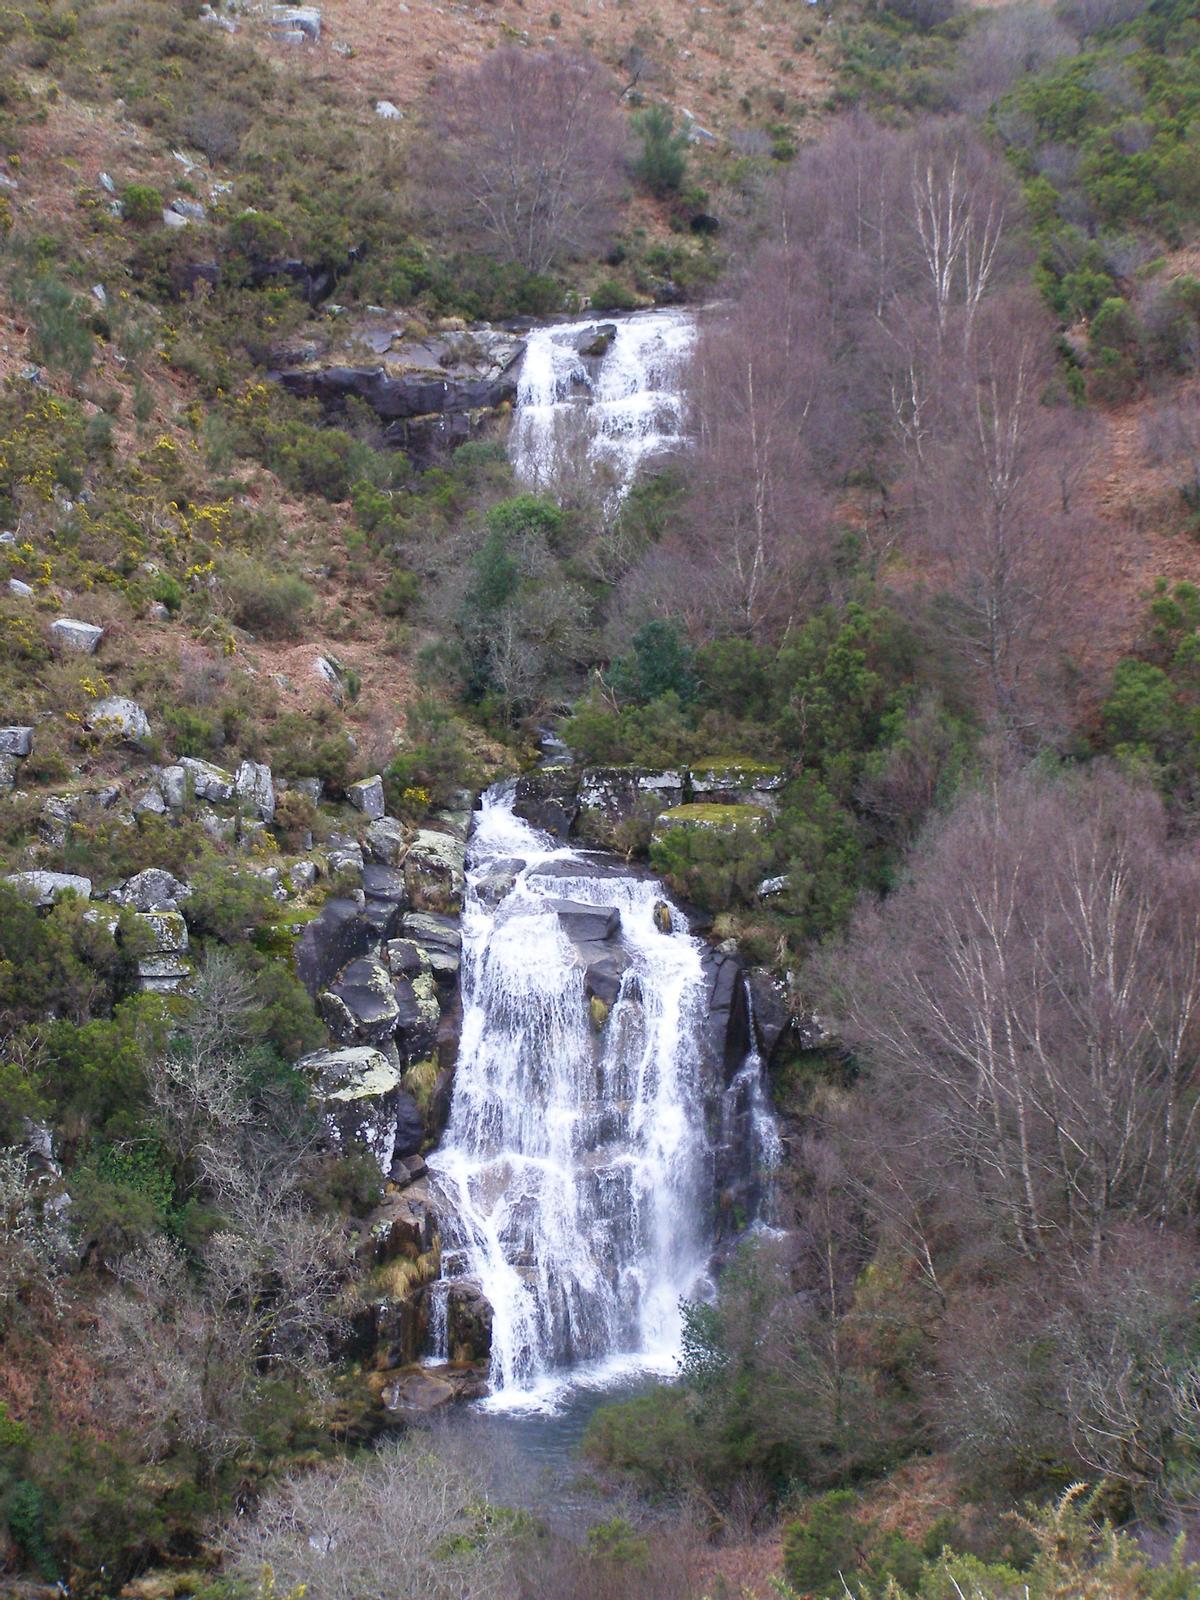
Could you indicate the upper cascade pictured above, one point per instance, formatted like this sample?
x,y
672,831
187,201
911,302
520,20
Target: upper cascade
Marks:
x,y
605,394
593,1124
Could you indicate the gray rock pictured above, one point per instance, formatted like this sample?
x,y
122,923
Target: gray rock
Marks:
x,y
222,829
172,219
386,842
16,741
107,184
304,20
357,1090
119,718
438,938
208,781
164,974
150,804
434,867
8,773
20,590
388,111
367,796
548,799
168,930
256,789
152,889
190,210
173,782
310,787
302,875
344,855
331,940
360,1005
44,888
58,813
75,638
384,883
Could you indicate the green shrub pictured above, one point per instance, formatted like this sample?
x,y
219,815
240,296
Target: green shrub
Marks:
x,y
263,599
826,1544
661,162
142,204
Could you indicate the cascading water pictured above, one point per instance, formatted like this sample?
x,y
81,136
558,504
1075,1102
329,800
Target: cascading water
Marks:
x,y
576,1180
588,402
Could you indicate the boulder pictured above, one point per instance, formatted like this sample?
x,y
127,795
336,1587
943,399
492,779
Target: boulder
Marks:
x,y
167,929
20,590
547,798
152,889
255,788
150,804
418,1015
384,883
434,869
75,638
330,941
304,20
360,1005
16,741
586,924
301,876
386,842
737,782
119,718
173,782
608,795
44,888
417,1393
209,782
344,854
727,1038
439,940
404,1224
410,1127
499,880
468,1321
8,773
357,1091
772,1015
162,974
367,796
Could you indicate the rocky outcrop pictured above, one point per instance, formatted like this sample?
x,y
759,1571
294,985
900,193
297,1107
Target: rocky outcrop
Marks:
x,y
357,1091
727,1035
73,638
44,888
432,392
119,718
549,799
360,1005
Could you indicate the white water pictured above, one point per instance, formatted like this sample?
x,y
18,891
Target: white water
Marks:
x,y
602,415
576,1178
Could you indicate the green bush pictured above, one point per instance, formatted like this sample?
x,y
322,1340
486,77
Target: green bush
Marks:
x,y
263,599
142,204
661,162
824,1546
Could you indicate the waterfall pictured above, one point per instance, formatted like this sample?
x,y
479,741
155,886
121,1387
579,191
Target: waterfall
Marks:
x,y
585,402
575,1183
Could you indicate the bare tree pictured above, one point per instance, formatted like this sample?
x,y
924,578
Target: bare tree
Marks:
x,y
1033,994
524,156
403,1522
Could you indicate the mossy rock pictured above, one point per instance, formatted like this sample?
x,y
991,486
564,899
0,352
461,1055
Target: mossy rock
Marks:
x,y
717,818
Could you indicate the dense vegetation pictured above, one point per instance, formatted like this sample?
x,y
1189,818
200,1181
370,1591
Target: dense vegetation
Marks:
x,y
885,576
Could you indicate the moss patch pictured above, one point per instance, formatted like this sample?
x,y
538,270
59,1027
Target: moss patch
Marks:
x,y
722,818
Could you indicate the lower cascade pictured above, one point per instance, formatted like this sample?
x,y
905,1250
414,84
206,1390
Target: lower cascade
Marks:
x,y
602,1136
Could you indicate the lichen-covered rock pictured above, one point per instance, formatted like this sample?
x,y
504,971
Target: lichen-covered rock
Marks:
x,y
712,818
357,1091
119,718
16,741
738,782
44,888
209,782
152,889
75,638
361,1003
385,841
608,795
162,974
167,929
434,869
367,796
173,782
256,789
438,938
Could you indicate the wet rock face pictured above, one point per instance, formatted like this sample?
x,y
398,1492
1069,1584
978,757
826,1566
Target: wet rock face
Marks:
x,y
468,1321
549,800
727,1036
